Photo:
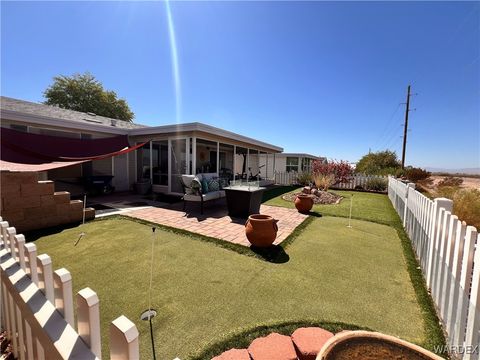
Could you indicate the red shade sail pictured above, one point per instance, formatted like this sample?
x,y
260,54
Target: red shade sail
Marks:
x,y
34,152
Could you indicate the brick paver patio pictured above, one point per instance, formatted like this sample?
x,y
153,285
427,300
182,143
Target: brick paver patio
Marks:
x,y
215,222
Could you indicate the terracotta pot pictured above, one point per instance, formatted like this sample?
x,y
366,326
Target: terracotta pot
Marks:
x,y
304,203
261,230
352,344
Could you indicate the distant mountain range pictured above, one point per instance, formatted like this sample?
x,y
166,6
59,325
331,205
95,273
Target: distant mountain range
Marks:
x,y
471,171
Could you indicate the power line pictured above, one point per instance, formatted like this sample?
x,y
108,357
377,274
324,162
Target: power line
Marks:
x,y
387,129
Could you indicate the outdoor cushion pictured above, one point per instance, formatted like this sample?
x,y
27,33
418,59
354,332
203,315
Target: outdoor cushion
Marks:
x,y
213,185
204,186
187,180
209,176
209,196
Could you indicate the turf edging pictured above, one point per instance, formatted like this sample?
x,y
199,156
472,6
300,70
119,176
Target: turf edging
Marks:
x,y
242,338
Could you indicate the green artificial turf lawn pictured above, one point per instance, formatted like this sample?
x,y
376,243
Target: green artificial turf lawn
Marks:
x,y
203,293
365,206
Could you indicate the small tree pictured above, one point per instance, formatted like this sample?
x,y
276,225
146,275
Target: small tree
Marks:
x,y
82,92
331,173
378,163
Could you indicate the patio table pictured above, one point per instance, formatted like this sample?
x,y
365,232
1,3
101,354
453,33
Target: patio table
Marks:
x,y
243,199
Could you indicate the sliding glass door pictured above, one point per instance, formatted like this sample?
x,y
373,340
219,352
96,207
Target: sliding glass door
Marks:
x,y
178,160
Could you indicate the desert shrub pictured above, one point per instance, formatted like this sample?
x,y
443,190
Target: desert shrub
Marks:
x,y
400,173
324,181
450,181
447,191
331,173
304,178
378,163
376,184
466,205
416,174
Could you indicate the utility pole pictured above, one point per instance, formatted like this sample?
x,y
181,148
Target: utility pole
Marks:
x,y
405,129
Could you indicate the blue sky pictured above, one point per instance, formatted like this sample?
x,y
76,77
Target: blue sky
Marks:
x,y
324,78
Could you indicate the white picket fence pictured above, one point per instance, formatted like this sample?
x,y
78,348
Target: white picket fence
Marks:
x,y
359,180
37,309
291,178
446,250
285,178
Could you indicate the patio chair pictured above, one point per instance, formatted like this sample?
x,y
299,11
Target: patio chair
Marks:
x,y
186,181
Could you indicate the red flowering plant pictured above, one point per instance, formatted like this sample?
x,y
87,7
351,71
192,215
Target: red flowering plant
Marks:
x,y
326,174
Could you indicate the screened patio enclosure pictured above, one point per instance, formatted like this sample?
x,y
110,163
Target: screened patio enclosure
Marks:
x,y
163,161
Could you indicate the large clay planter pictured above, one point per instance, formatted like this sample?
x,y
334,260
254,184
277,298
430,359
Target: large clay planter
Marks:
x,y
304,203
361,345
261,230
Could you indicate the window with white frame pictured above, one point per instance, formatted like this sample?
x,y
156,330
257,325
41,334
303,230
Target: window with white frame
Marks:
x,y
292,164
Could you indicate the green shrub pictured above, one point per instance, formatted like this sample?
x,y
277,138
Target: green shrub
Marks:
x,y
450,181
376,184
304,178
416,174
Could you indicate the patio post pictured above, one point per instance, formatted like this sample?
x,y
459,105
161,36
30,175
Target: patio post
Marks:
x,y
248,161
151,164
234,161
194,155
218,158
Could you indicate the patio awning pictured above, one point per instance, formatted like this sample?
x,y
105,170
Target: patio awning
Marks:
x,y
21,151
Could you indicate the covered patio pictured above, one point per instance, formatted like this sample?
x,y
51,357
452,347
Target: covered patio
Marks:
x,y
195,148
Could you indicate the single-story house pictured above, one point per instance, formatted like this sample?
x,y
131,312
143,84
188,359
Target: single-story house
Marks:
x,y
293,162
37,137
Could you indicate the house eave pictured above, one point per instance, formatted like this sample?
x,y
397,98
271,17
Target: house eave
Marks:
x,y
196,126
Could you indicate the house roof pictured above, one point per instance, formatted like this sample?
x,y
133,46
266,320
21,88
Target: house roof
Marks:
x,y
301,155
10,106
47,115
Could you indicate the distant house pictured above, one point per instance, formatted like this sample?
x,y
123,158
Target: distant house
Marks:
x,y
36,137
292,162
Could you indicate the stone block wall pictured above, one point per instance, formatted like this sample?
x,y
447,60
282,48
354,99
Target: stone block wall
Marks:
x,y
29,204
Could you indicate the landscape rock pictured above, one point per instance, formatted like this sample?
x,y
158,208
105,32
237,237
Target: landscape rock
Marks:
x,y
273,346
308,341
233,354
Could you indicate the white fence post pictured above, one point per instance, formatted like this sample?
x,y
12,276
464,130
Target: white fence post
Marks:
x,y
465,281
88,319
439,203
3,227
11,232
62,280
45,276
473,323
20,243
123,339
31,255
452,313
